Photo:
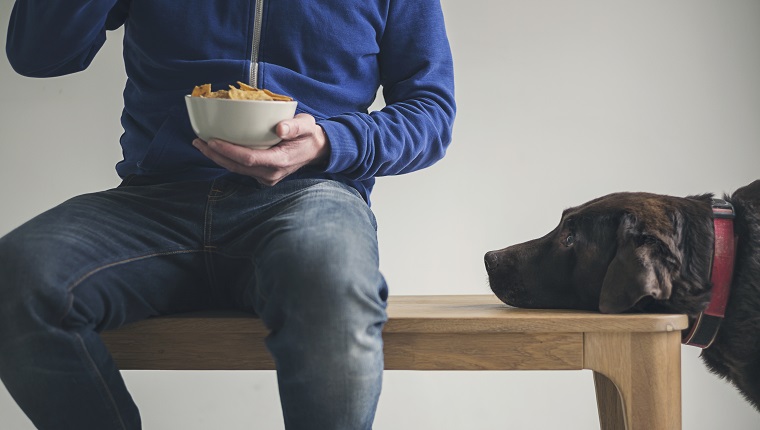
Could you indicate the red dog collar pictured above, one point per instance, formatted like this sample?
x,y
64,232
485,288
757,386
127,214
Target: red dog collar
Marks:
x,y
705,328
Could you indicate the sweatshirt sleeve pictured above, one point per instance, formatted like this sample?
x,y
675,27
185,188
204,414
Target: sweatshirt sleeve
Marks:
x,y
415,127
54,38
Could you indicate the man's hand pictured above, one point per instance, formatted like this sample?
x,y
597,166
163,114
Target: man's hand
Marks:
x,y
303,142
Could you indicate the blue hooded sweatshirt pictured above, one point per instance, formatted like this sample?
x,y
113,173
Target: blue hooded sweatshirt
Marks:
x,y
330,55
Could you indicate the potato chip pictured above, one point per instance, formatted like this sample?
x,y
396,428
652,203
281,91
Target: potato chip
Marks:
x,y
219,94
201,90
236,94
277,97
246,87
245,92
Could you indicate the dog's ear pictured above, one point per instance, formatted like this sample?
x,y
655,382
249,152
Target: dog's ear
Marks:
x,y
642,267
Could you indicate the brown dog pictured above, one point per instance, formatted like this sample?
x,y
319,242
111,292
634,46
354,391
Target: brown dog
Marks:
x,y
640,252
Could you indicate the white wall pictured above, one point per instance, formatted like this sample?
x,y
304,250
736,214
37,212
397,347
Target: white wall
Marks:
x,y
559,102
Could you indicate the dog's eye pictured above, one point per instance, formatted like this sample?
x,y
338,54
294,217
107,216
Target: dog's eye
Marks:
x,y
569,240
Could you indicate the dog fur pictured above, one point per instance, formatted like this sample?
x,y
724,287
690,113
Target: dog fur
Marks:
x,y
642,252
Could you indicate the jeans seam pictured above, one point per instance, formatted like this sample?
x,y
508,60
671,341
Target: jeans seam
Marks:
x,y
70,302
101,380
125,261
219,190
97,269
208,217
224,190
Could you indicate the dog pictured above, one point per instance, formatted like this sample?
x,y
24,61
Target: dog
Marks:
x,y
643,252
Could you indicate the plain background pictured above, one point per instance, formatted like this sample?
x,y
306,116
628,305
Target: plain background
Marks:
x,y
559,102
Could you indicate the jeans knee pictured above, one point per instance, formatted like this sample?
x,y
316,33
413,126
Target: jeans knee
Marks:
x,y
27,288
327,298
14,256
333,264
334,280
335,321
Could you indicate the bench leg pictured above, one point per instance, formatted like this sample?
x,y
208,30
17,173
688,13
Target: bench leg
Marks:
x,y
609,403
637,378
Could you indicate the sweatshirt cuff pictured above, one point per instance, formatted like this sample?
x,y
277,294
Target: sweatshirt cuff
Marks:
x,y
343,146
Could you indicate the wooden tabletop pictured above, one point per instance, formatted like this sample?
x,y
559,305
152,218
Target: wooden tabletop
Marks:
x,y
443,314
485,313
455,332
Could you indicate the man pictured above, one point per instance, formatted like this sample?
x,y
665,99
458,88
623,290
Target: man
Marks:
x,y
285,233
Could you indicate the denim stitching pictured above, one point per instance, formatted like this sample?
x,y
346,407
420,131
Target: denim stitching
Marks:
x,y
78,282
207,221
219,190
227,189
120,262
102,381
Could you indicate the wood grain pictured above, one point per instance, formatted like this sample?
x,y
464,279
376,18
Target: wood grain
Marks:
x,y
646,370
635,357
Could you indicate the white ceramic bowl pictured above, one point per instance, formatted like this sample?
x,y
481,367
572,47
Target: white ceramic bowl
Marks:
x,y
244,122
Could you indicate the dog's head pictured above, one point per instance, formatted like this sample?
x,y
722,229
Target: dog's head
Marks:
x,y
620,252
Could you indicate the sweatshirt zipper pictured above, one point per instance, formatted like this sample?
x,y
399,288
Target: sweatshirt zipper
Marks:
x,y
258,17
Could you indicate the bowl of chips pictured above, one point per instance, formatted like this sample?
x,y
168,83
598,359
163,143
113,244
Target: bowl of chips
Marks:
x,y
245,116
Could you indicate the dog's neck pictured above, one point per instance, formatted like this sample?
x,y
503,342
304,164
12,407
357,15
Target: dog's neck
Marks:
x,y
705,327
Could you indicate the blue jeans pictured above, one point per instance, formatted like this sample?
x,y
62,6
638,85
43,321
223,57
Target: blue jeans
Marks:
x,y
302,256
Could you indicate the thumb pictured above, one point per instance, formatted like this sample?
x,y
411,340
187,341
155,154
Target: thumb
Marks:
x,y
293,128
287,129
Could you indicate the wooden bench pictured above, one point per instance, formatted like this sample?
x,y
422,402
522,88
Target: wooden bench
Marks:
x,y
636,359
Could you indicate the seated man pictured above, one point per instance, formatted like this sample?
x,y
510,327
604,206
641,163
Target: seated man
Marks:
x,y
284,233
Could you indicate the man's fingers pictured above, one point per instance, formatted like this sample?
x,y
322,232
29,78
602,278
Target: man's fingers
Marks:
x,y
246,156
299,146
216,156
239,159
230,150
265,175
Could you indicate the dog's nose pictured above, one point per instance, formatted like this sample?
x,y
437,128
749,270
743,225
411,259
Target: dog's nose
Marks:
x,y
492,260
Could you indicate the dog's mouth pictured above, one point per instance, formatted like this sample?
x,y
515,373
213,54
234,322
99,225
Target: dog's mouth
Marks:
x,y
509,290
503,296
